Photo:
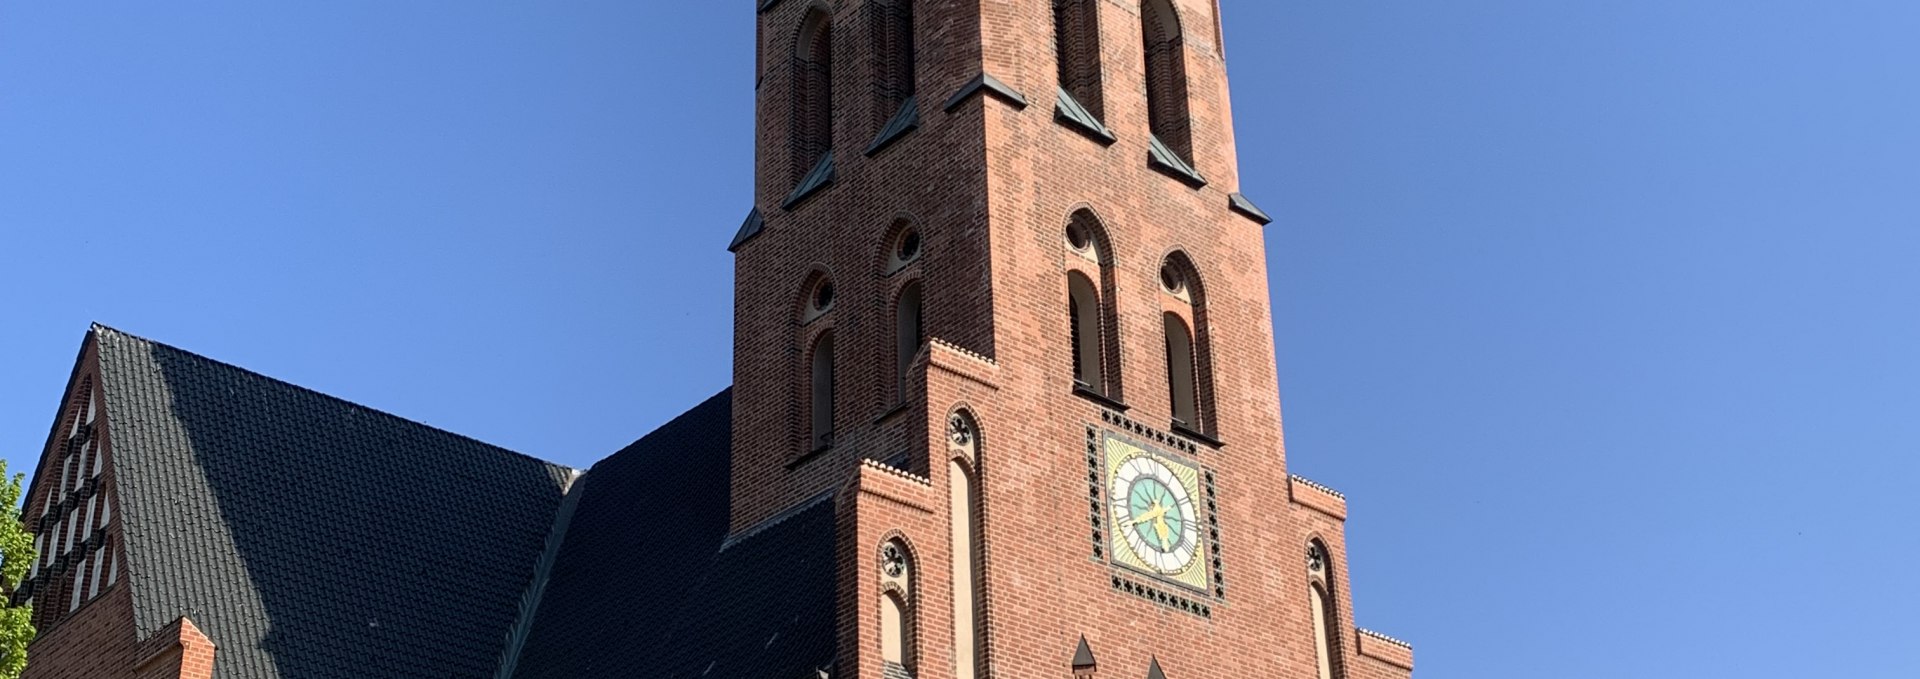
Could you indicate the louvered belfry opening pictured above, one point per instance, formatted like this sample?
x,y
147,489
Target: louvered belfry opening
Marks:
x,y
811,121
891,24
1166,67
1076,35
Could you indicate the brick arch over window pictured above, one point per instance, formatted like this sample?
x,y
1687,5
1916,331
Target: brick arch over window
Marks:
x,y
1094,320
1166,69
899,605
1189,346
810,121
964,534
1322,598
890,29
1076,44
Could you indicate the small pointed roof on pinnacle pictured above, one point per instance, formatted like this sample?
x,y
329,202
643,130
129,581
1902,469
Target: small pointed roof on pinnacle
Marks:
x,y
309,536
1083,661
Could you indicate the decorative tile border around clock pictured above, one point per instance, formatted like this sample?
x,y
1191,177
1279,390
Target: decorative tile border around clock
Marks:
x,y
1213,533
1162,597
1179,443
1096,511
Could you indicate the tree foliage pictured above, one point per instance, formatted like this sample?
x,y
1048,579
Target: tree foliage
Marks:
x,y
16,556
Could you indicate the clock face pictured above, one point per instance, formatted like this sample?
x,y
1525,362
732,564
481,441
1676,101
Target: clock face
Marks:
x,y
1156,527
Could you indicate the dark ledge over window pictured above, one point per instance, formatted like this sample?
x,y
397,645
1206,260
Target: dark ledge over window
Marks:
x,y
1076,116
1166,161
1182,429
907,120
1238,202
1087,392
990,85
815,180
748,229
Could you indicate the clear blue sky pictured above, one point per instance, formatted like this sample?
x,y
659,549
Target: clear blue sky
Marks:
x,y
1603,313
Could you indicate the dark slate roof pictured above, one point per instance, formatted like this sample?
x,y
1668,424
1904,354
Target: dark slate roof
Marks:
x,y
309,537
648,584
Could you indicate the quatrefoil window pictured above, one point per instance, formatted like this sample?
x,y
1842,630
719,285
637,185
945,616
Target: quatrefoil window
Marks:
x,y
893,561
960,430
1316,559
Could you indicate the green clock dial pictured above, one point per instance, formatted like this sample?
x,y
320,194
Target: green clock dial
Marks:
x,y
1153,510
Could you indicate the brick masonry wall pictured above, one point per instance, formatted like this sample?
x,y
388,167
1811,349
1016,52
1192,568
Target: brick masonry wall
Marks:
x,y
97,640
992,185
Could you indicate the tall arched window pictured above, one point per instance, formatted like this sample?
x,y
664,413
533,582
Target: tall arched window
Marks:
x,y
1166,70
909,332
891,24
1076,41
823,392
1089,361
1182,382
1188,348
811,118
897,591
1326,638
1093,322
963,494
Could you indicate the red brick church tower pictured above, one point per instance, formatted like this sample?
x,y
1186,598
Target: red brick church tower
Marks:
x,y
1001,302
1004,406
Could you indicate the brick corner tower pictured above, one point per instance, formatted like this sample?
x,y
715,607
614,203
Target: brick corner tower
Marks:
x,y
1001,302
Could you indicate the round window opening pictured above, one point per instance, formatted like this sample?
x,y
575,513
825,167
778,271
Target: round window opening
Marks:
x,y
823,296
909,246
1173,279
1079,237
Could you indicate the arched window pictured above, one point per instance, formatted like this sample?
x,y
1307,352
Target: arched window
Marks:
x,y
897,585
909,333
1093,322
1188,348
1089,362
1182,383
811,118
1165,45
963,495
891,24
1326,638
1076,42
823,392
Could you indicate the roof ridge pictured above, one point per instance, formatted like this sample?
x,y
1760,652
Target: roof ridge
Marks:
x,y
101,329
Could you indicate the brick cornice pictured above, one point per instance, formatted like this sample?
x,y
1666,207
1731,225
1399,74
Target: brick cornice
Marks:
x,y
1317,497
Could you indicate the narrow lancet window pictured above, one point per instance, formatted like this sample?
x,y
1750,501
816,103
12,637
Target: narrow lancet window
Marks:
x,y
963,494
1320,598
891,23
823,392
1083,304
1166,69
1076,36
811,119
909,334
1189,352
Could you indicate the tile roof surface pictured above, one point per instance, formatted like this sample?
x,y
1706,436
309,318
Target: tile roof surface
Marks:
x,y
648,584
310,537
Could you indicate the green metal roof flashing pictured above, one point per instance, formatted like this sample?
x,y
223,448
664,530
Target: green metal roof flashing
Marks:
x,y
821,176
1162,158
907,120
1070,111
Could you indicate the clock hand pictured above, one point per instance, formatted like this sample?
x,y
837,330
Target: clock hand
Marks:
x,y
1160,526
